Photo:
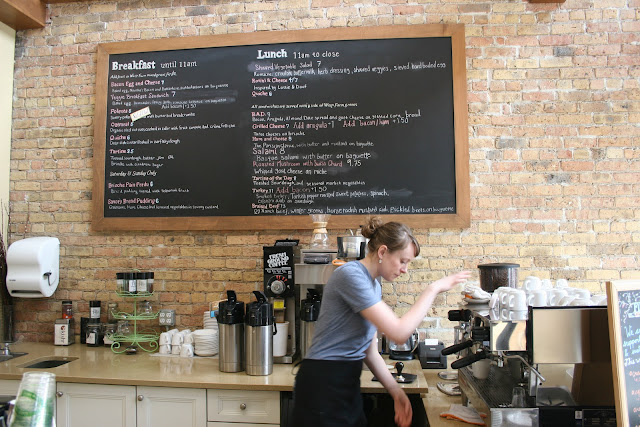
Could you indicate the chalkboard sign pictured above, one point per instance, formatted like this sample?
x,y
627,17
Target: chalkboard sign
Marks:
x,y
257,131
624,332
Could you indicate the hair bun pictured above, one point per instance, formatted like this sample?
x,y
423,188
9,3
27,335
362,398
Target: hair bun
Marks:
x,y
372,225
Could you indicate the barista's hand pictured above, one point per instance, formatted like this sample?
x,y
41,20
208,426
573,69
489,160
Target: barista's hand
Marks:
x,y
402,407
449,282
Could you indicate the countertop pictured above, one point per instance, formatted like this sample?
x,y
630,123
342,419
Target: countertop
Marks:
x,y
99,365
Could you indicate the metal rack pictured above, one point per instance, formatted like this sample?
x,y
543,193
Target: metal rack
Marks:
x,y
146,339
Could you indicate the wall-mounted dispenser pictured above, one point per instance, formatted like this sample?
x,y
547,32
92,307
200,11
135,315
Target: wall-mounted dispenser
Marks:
x,y
33,267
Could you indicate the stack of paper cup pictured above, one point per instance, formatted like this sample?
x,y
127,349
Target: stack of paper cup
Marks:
x,y
35,403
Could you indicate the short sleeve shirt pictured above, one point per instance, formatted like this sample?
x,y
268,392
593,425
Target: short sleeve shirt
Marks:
x,y
341,333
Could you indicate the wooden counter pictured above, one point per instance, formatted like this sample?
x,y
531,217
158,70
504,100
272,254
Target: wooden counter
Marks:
x,y
99,365
436,402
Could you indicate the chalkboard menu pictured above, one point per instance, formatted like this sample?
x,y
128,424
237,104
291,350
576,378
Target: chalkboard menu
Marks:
x,y
624,330
261,130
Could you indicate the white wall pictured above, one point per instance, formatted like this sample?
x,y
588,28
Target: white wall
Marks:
x,y
7,47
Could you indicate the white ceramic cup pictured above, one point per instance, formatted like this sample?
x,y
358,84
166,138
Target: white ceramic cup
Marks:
x,y
504,314
531,283
188,339
186,350
546,284
177,339
175,349
537,298
164,349
165,338
518,315
582,302
562,283
481,369
565,300
517,300
504,297
599,299
555,295
580,293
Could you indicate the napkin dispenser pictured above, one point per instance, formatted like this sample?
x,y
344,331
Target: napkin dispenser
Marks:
x,y
430,354
33,267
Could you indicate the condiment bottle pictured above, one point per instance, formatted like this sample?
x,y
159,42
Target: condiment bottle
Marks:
x,y
67,309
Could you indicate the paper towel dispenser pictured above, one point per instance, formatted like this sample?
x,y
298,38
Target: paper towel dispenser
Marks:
x,y
33,267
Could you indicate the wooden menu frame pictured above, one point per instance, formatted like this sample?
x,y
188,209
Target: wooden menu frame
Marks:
x,y
619,360
459,219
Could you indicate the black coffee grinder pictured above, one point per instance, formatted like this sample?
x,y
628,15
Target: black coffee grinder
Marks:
x,y
279,289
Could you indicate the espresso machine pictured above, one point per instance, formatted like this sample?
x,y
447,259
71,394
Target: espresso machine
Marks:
x,y
560,356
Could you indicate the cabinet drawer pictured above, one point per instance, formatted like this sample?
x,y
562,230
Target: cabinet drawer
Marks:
x,y
243,406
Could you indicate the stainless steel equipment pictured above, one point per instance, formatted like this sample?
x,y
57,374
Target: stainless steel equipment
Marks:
x,y
560,355
404,351
231,334
309,311
311,274
258,334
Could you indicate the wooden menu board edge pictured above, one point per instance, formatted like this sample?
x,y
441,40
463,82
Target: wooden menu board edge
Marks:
x,y
615,340
267,222
462,217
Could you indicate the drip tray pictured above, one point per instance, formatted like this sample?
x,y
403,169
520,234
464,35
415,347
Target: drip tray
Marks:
x,y
48,362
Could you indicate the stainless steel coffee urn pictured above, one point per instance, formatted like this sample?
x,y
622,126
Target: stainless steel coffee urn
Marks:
x,y
309,311
258,338
231,332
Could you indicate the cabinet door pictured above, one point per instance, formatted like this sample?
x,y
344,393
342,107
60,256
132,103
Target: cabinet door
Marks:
x,y
244,406
95,405
9,387
171,406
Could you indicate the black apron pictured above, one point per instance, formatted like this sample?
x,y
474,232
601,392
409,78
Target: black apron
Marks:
x,y
326,393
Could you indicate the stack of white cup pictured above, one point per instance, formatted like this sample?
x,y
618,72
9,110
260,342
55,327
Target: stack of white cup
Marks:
x,y
512,303
178,343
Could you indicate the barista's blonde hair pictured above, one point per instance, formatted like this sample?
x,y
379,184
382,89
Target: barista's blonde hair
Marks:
x,y
393,235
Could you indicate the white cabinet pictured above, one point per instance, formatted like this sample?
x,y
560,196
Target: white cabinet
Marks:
x,y
9,387
170,407
97,405
241,408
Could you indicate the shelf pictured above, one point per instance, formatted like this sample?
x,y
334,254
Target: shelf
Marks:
x,y
146,340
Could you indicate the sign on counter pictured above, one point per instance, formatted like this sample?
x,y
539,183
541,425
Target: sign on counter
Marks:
x,y
624,330
255,131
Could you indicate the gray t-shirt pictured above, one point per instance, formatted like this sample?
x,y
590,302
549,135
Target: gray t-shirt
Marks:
x,y
341,333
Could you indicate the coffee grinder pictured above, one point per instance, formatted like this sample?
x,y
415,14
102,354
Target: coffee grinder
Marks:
x,y
279,289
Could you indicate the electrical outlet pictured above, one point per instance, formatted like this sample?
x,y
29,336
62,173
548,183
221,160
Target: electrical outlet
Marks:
x,y
167,317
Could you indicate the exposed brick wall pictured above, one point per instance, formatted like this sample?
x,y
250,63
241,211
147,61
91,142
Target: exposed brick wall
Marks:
x,y
554,113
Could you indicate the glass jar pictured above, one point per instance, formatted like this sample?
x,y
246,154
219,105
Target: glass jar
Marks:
x,y
141,283
94,337
109,330
150,280
112,312
123,327
121,282
67,309
145,307
94,310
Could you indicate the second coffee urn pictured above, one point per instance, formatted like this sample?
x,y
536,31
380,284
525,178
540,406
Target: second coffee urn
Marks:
x,y
309,311
231,326
258,334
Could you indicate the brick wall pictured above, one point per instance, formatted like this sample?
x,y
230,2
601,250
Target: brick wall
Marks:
x,y
554,113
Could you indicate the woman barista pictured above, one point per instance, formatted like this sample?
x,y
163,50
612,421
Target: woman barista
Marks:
x,y
327,386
